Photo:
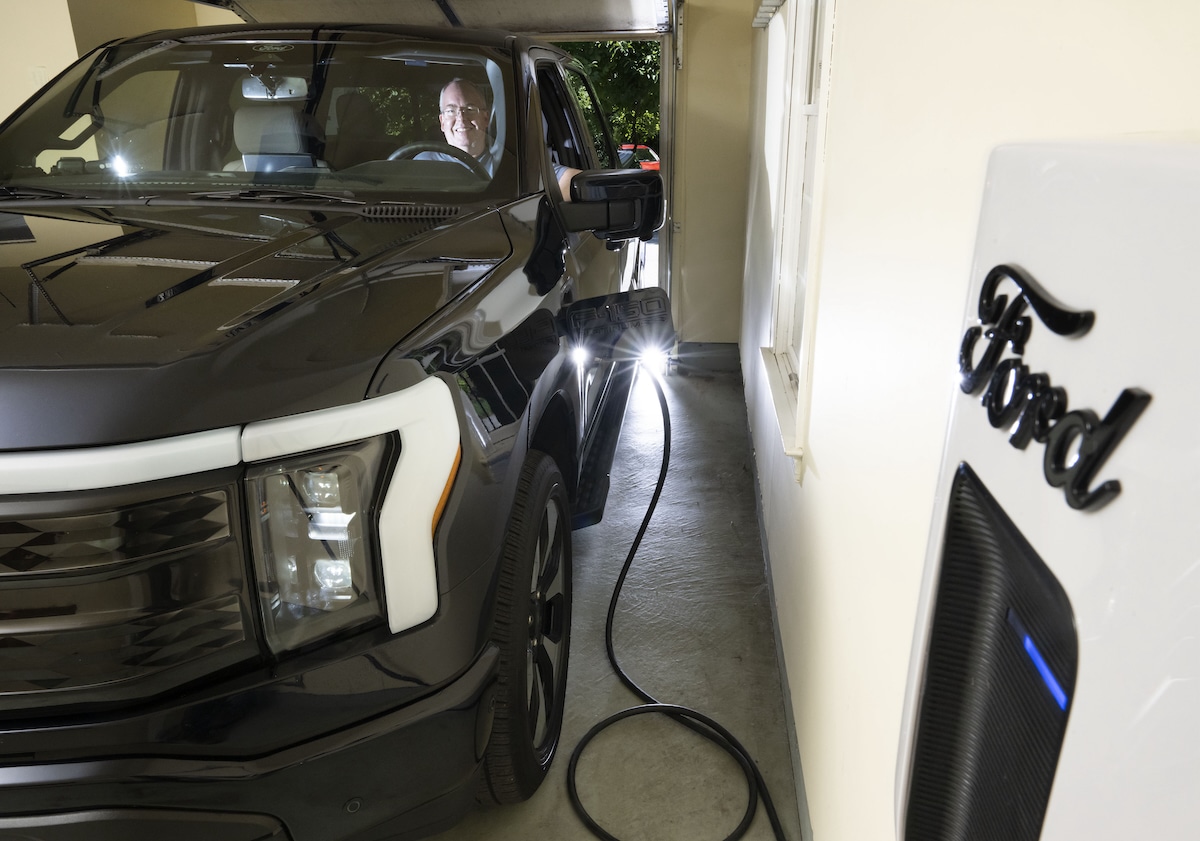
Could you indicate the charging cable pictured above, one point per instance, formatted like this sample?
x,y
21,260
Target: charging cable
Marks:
x,y
695,721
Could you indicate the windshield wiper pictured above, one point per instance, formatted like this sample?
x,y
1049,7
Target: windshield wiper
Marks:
x,y
26,192
276,195
272,195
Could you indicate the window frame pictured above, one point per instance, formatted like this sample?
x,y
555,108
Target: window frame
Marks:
x,y
796,263
568,130
603,146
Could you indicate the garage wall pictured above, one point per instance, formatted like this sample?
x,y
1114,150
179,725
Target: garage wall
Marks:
x,y
919,95
711,163
97,21
50,34
36,50
212,16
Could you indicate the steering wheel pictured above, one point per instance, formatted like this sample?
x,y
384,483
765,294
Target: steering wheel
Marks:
x,y
411,150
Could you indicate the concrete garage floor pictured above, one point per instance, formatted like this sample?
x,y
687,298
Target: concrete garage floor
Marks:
x,y
694,628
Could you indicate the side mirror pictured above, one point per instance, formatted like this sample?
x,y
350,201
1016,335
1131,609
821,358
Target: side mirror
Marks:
x,y
616,203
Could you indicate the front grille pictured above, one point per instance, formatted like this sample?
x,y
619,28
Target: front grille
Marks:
x,y
56,656
91,541
104,602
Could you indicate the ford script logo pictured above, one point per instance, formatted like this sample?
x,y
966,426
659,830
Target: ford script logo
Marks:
x,y
1077,442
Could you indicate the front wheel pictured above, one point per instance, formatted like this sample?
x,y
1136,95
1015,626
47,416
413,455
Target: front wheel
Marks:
x,y
532,630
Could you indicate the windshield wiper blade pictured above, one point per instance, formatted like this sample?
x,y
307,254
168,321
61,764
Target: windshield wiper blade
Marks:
x,y
48,197
26,192
274,194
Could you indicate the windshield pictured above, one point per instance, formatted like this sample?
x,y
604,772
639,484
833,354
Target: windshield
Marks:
x,y
343,115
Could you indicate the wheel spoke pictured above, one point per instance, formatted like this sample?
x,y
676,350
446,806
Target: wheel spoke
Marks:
x,y
549,559
545,542
541,708
552,619
551,522
535,697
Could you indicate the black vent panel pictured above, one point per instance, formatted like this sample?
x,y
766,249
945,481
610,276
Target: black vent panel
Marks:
x,y
998,682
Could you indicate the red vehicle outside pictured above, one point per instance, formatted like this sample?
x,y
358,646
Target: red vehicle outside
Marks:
x,y
632,155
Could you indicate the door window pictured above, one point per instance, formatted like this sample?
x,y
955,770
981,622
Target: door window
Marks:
x,y
597,124
576,132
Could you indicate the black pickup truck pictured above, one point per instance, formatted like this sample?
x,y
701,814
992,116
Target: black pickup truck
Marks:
x,y
292,432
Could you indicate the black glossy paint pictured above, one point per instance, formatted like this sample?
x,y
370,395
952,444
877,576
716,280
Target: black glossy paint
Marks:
x,y
191,327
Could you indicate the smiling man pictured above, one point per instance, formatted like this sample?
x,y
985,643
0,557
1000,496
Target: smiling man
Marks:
x,y
465,117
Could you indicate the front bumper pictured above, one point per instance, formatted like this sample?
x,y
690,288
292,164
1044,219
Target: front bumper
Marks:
x,y
402,774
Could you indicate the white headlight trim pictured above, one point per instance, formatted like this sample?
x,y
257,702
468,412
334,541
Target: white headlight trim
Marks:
x,y
424,416
51,471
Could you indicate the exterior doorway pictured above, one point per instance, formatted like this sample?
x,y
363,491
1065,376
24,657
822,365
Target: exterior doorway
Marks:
x,y
634,79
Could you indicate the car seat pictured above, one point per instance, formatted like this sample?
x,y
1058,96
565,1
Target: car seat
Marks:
x,y
272,136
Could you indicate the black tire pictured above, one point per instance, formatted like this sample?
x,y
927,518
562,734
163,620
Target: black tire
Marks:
x,y
533,630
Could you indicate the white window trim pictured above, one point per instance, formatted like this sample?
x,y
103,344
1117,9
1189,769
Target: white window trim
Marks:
x,y
789,374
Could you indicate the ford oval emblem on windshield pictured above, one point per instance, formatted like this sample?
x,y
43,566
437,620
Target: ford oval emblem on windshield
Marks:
x,y
272,48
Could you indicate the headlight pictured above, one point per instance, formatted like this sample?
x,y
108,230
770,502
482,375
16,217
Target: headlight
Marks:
x,y
313,533
332,454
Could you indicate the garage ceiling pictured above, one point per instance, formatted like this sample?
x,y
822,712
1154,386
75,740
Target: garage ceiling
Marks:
x,y
537,17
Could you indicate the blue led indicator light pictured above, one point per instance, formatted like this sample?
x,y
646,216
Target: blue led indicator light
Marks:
x,y
1039,662
1047,675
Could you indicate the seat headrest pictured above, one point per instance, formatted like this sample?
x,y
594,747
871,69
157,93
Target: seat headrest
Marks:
x,y
270,128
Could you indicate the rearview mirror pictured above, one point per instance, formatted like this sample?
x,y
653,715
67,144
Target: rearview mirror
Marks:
x,y
274,88
616,203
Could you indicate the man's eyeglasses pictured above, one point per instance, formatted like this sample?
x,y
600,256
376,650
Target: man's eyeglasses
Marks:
x,y
468,112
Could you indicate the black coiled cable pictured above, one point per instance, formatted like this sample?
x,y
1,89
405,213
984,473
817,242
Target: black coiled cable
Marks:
x,y
689,718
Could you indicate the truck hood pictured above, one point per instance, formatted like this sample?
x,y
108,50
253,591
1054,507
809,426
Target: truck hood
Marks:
x,y
127,324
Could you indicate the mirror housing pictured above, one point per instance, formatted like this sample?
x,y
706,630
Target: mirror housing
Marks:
x,y
616,204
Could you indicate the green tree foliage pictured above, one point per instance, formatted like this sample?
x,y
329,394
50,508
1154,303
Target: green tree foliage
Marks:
x,y
626,77
406,112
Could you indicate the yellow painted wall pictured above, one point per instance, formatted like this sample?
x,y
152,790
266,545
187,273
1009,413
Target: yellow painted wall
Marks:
x,y
97,21
53,33
212,16
711,165
38,51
